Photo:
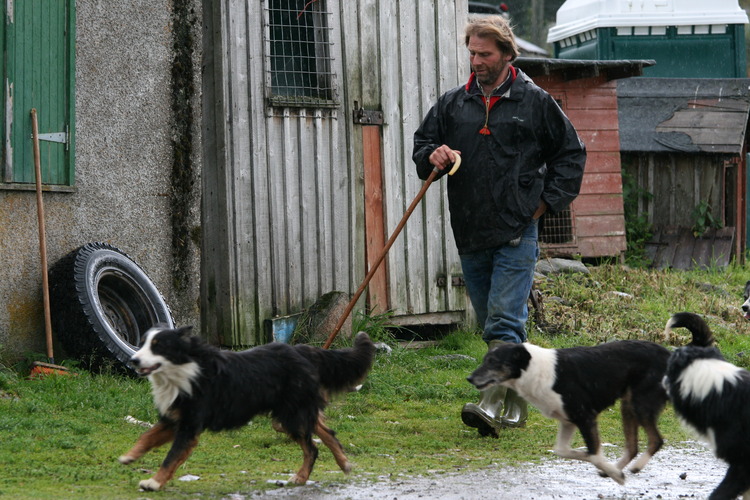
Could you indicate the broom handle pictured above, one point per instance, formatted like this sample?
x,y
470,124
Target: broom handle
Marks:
x,y
42,237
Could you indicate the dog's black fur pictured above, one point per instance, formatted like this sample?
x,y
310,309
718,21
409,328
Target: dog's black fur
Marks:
x,y
573,385
712,397
197,387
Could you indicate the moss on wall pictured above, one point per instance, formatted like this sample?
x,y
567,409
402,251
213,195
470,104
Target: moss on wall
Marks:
x,y
183,174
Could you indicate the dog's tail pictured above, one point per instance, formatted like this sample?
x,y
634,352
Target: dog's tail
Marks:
x,y
702,336
341,370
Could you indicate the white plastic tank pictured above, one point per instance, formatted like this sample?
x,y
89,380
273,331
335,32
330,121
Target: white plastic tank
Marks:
x,y
580,16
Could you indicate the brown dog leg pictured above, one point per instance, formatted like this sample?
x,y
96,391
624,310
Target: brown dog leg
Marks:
x,y
328,436
655,442
158,435
309,455
177,455
630,430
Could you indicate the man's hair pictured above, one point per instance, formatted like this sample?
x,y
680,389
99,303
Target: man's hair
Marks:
x,y
495,28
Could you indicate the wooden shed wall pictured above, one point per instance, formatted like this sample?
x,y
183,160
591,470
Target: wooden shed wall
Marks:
x,y
283,200
598,214
400,56
680,182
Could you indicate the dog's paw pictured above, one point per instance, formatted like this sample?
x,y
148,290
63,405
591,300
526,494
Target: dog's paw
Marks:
x,y
619,477
297,479
150,485
126,459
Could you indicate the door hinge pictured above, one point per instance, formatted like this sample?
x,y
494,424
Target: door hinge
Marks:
x,y
61,137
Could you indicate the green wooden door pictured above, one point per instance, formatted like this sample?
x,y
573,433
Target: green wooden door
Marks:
x,y
39,43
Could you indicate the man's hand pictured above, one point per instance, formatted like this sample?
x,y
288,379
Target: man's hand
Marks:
x,y
443,157
540,211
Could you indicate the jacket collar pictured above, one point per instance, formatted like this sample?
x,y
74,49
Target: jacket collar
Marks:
x,y
513,92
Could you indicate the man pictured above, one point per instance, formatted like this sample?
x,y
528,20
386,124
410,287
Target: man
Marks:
x,y
521,157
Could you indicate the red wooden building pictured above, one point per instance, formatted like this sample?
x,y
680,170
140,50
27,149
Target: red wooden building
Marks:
x,y
594,225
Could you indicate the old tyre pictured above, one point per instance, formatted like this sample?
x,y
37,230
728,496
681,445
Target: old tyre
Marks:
x,y
102,304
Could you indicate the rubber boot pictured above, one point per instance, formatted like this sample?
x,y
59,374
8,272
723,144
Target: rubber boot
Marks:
x,y
486,416
516,410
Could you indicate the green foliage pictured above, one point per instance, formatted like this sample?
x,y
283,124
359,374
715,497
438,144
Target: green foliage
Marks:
x,y
376,326
62,434
638,230
703,219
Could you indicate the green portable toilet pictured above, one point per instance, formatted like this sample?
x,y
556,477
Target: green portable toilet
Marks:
x,y
686,38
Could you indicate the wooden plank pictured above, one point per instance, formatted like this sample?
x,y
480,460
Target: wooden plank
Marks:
x,y
600,246
667,238
604,140
377,297
245,275
719,140
604,183
350,171
719,104
654,246
601,225
278,198
593,98
557,81
700,118
603,161
593,119
725,238
711,249
426,244
324,156
683,254
598,204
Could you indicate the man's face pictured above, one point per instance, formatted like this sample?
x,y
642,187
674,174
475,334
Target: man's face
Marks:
x,y
487,61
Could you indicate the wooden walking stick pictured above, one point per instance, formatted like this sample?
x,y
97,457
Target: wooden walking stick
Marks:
x,y
388,245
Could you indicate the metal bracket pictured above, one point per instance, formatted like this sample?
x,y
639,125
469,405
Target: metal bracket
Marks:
x,y
456,280
366,116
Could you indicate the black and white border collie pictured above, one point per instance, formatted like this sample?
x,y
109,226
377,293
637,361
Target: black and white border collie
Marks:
x,y
199,387
575,384
712,398
746,304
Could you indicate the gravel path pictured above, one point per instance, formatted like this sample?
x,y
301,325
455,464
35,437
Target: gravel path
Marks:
x,y
688,471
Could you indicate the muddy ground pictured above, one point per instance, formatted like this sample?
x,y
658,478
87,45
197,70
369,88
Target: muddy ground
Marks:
x,y
688,471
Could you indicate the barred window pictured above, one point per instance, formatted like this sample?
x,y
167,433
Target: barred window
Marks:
x,y
558,228
298,57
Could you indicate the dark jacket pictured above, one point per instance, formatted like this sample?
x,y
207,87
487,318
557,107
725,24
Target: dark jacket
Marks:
x,y
532,152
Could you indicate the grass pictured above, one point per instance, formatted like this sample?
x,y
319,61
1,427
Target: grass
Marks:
x,y
62,434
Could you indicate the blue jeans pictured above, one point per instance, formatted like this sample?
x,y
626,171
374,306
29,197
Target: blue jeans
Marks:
x,y
499,281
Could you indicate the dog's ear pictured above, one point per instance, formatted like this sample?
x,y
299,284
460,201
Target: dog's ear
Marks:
x,y
184,331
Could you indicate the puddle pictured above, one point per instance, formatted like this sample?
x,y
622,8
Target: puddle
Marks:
x,y
688,471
